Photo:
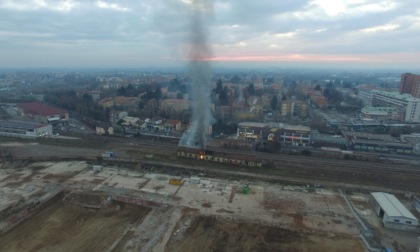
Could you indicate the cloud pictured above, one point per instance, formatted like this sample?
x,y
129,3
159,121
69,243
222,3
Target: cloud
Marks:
x,y
32,5
151,30
110,6
381,28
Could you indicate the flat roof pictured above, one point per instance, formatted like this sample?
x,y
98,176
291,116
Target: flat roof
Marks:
x,y
19,124
396,95
273,126
328,138
253,124
383,143
374,110
369,136
392,206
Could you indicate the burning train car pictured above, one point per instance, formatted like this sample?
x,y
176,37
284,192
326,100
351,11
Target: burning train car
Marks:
x,y
220,157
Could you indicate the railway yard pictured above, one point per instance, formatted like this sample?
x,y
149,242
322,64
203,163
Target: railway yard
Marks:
x,y
59,202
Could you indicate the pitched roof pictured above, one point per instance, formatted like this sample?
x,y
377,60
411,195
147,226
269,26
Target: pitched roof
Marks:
x,y
35,108
392,206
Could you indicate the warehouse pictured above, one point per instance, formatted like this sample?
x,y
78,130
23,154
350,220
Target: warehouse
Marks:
x,y
24,129
287,134
43,113
393,213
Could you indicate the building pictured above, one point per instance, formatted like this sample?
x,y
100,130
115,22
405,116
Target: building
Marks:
x,y
24,129
176,105
288,134
369,142
408,107
173,125
95,94
365,96
381,113
121,102
330,141
294,108
295,135
104,129
43,113
410,84
319,101
393,213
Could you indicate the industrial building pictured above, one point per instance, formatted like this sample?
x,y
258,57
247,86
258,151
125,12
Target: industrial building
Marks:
x,y
331,141
393,213
24,129
288,134
408,106
43,113
381,113
361,141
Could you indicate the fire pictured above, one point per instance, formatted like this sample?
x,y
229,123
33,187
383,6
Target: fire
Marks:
x,y
202,153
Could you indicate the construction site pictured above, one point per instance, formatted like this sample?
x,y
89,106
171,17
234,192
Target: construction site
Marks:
x,y
80,206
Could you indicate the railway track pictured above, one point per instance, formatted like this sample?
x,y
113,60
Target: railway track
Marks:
x,y
394,175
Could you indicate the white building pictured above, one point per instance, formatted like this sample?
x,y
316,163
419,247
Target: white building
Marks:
x,y
408,106
24,129
393,213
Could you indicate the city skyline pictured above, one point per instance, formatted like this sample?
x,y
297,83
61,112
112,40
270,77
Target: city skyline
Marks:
x,y
81,33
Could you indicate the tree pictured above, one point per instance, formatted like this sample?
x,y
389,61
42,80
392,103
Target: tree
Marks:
x,y
284,97
179,95
121,91
235,80
219,86
87,98
174,85
251,89
274,102
223,96
158,93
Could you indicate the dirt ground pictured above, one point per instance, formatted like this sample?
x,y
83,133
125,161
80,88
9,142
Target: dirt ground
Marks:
x,y
212,215
206,233
66,227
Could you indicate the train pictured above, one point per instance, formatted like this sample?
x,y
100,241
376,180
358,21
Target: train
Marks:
x,y
233,158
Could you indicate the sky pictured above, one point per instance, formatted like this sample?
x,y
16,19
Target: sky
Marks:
x,y
263,33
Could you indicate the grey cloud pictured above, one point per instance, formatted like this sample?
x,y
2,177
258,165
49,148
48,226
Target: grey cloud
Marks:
x,y
155,29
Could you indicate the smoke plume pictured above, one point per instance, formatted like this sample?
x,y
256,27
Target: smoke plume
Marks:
x,y
200,75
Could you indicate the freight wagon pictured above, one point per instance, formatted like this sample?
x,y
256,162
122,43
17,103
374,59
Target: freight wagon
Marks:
x,y
220,157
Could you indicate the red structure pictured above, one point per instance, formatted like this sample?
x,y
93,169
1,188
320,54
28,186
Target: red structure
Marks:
x,y
410,84
43,112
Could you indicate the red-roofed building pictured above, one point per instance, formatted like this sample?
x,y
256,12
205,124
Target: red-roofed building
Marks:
x,y
43,113
173,125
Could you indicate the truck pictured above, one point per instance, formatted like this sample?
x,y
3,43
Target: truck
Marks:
x,y
108,154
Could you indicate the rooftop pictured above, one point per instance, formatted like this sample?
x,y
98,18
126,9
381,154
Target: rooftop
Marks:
x,y
369,136
19,124
273,126
392,206
378,110
35,108
396,95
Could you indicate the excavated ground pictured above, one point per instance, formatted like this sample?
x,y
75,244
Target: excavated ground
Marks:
x,y
219,234
66,227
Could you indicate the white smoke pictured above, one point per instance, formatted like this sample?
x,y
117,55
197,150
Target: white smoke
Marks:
x,y
200,73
